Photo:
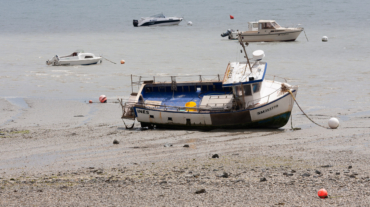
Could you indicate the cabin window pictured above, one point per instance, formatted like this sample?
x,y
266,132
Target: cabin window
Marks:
x,y
275,25
87,57
151,116
247,90
169,118
255,25
267,25
256,87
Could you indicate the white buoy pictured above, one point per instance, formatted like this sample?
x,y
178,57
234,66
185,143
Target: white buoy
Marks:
x,y
333,123
324,39
190,23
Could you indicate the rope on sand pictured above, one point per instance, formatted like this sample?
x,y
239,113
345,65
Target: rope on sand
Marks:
x,y
303,112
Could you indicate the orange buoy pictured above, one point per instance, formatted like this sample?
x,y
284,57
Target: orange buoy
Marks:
x,y
231,17
103,99
322,193
90,101
122,61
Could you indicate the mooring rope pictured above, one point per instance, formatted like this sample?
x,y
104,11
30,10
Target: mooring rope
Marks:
x,y
303,111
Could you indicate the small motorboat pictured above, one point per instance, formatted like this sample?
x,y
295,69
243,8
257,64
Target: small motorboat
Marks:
x,y
242,99
157,20
268,31
79,57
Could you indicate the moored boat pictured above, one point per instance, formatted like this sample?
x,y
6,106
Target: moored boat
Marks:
x,y
79,57
242,99
157,20
269,31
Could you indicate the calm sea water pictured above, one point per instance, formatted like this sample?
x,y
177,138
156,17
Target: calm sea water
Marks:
x,y
332,74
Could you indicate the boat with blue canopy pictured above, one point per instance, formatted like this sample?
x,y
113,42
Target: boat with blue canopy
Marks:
x,y
243,98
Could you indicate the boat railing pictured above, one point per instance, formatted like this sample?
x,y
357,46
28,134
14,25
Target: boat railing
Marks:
x,y
265,99
127,105
139,80
277,78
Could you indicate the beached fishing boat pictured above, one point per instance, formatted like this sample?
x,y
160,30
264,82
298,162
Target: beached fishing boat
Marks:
x,y
242,99
157,20
268,31
79,57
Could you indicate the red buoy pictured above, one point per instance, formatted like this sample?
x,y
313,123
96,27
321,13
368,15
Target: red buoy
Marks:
x,y
322,193
103,99
231,17
90,101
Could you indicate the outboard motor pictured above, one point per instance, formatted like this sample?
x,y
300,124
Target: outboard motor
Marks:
x,y
227,33
135,23
54,61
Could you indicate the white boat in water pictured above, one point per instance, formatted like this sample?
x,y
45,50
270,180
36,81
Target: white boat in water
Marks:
x,y
267,31
79,57
157,20
242,99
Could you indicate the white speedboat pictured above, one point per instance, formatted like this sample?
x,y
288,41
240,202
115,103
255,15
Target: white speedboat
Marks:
x,y
79,57
268,31
157,20
243,99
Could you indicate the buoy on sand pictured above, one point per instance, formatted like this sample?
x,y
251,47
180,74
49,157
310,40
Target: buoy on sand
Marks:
x,y
322,193
103,99
231,17
122,61
90,101
333,123
324,39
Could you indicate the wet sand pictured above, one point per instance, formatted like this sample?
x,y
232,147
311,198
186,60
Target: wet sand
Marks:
x,y
61,152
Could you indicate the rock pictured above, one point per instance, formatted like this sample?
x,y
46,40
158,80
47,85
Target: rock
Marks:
x,y
317,172
163,182
115,141
215,156
186,145
167,145
350,167
337,173
200,191
91,168
326,166
352,176
224,175
263,179
39,190
306,175
293,171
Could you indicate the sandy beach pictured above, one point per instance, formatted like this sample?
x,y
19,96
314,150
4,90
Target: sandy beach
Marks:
x,y
61,153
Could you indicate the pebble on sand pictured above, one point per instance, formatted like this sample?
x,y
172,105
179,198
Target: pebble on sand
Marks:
x,y
200,191
115,141
215,156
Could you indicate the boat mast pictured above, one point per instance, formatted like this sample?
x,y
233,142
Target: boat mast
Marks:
x,y
245,52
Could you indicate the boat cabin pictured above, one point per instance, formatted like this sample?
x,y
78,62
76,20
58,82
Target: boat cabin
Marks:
x,y
267,26
246,83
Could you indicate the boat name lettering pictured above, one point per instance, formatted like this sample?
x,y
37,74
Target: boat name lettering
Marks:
x,y
266,110
142,111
